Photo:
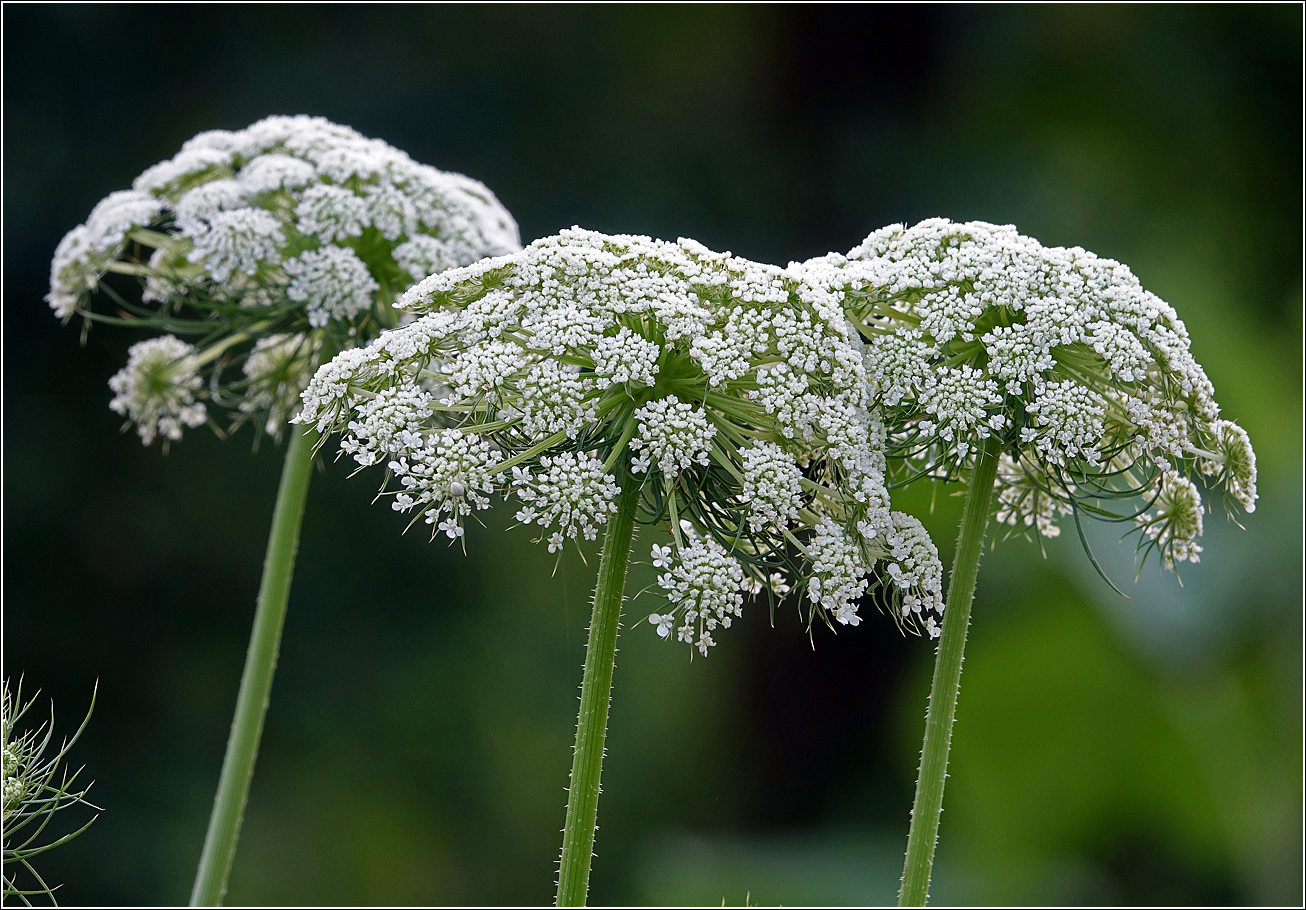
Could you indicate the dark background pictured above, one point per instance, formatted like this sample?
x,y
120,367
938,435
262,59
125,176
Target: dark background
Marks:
x,y
1108,751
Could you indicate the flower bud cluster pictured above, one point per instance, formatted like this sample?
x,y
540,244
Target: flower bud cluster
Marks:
x,y
732,394
36,785
973,330
289,235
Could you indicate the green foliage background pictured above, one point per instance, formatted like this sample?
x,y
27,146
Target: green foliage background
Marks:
x,y
1108,751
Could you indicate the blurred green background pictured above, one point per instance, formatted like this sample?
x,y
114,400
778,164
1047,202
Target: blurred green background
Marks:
x,y
1108,751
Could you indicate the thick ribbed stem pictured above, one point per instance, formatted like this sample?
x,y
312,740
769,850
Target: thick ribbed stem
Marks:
x,y
595,695
947,681
256,683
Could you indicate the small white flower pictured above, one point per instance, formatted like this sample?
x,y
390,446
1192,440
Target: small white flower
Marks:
x,y
779,584
663,623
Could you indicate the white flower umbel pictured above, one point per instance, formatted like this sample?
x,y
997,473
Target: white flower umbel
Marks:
x,y
673,434
1024,500
332,283
292,227
1085,378
596,377
772,486
588,364
1049,375
1175,522
570,491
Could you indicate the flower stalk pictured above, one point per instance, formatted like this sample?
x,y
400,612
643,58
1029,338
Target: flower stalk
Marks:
x,y
256,681
939,717
595,698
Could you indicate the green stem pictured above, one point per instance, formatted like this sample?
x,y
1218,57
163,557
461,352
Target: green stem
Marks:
x,y
256,683
947,681
595,695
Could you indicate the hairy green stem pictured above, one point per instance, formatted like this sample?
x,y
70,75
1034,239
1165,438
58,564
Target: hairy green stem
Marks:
x,y
928,805
595,696
256,682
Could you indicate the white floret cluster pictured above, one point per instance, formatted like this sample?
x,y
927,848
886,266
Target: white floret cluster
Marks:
x,y
1086,379
732,395
570,491
1025,499
156,389
294,226
673,434
706,584
451,474
1175,522
332,283
772,486
15,786
388,424
277,370
36,785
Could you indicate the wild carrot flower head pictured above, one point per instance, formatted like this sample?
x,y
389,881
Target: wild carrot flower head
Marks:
x,y
973,330
260,246
36,785
732,393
